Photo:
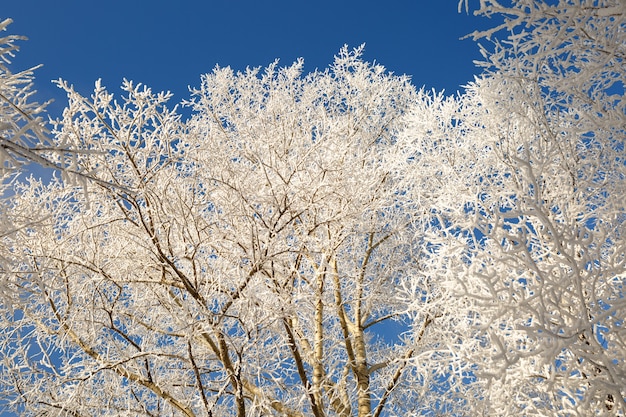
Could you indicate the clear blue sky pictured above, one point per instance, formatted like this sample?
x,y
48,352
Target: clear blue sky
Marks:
x,y
168,44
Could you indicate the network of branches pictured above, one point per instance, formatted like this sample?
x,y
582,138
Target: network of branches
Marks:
x,y
335,243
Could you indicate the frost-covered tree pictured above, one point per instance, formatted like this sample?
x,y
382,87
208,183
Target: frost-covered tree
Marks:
x,y
21,138
265,257
21,126
24,140
538,144
336,243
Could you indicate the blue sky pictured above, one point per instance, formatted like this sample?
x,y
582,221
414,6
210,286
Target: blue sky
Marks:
x,y
167,45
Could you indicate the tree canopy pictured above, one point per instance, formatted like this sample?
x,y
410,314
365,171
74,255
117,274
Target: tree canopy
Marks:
x,y
332,243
